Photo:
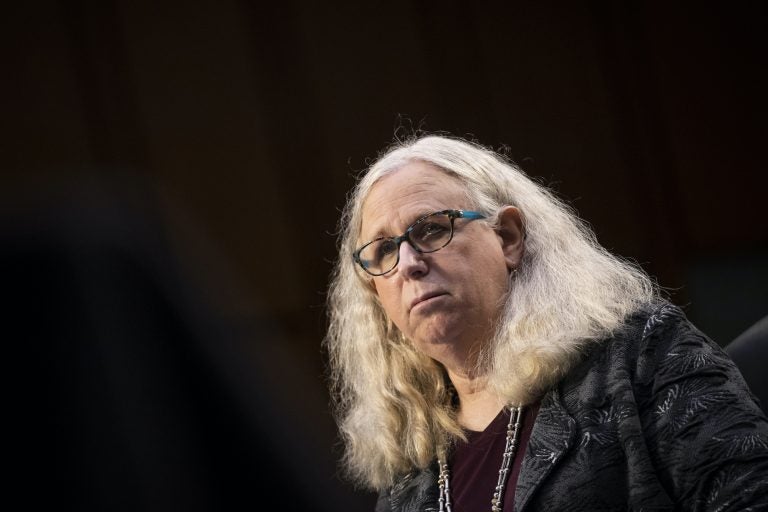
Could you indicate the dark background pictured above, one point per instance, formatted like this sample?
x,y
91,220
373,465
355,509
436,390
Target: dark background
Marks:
x,y
232,131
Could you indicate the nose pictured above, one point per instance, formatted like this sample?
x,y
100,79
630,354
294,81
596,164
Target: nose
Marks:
x,y
412,263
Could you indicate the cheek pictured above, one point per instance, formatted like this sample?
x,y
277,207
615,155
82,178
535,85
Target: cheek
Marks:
x,y
483,261
487,277
389,298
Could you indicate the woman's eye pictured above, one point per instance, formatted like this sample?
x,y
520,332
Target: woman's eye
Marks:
x,y
386,248
431,229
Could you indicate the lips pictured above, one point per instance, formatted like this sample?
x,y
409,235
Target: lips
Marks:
x,y
425,297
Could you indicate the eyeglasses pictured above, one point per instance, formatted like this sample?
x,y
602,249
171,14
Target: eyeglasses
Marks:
x,y
429,233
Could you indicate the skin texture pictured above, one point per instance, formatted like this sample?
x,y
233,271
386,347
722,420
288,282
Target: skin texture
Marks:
x,y
445,302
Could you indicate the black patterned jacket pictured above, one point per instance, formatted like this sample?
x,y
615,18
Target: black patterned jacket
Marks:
x,y
657,418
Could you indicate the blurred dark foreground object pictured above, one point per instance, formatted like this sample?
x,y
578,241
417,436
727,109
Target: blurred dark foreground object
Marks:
x,y
127,391
750,353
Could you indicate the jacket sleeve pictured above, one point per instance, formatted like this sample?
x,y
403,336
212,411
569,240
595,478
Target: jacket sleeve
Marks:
x,y
707,436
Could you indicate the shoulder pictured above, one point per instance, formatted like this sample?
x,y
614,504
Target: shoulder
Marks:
x,y
659,356
655,341
678,407
673,354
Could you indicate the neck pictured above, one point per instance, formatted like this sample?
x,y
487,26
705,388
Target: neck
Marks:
x,y
478,404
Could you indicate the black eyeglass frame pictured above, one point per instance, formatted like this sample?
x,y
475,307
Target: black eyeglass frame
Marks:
x,y
398,240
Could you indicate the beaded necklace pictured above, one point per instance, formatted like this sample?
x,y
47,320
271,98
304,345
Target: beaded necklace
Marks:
x,y
510,448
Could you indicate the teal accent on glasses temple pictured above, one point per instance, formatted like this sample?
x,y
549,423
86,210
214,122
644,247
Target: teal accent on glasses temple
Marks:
x,y
398,240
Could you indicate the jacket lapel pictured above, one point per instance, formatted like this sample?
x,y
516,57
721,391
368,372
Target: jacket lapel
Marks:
x,y
552,435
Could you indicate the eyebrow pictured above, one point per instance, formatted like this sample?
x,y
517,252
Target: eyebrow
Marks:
x,y
379,233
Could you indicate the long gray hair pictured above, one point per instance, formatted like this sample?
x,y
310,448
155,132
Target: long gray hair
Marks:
x,y
392,402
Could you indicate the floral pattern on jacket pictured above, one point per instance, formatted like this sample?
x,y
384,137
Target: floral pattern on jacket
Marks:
x,y
656,418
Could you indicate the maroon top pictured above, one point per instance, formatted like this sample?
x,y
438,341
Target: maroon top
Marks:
x,y
475,465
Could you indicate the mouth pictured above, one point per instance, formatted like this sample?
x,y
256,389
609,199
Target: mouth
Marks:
x,y
425,297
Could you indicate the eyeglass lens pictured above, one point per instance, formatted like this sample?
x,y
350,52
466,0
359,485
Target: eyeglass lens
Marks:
x,y
428,235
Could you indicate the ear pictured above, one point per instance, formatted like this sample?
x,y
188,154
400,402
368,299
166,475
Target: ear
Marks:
x,y
511,233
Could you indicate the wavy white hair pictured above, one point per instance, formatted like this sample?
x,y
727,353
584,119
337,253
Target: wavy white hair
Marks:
x,y
392,402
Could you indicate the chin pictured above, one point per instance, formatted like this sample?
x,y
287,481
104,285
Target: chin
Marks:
x,y
439,343
437,335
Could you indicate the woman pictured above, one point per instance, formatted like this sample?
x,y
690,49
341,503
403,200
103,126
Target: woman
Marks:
x,y
487,353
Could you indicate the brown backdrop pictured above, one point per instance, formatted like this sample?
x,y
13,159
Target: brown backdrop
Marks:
x,y
246,122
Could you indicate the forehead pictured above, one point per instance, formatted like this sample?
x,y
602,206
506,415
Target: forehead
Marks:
x,y
399,198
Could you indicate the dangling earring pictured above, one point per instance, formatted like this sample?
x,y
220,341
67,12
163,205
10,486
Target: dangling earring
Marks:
x,y
513,274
